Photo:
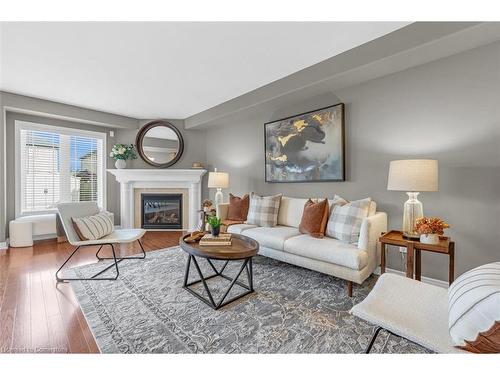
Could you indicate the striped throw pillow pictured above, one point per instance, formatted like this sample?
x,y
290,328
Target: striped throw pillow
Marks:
x,y
263,211
474,309
93,227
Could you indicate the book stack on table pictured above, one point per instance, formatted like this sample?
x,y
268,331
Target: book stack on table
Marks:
x,y
223,239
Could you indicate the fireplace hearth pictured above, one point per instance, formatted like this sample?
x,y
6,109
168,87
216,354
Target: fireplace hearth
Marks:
x,y
161,211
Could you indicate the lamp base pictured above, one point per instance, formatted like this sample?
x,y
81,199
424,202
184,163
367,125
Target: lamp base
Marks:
x,y
219,199
413,210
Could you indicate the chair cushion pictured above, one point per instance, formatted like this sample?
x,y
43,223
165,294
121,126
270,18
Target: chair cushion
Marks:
x,y
93,227
239,228
327,250
238,207
345,219
474,309
263,211
274,237
411,309
314,218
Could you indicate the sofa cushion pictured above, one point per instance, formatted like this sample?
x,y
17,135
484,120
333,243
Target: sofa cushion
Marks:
x,y
314,218
346,218
274,237
327,250
290,212
263,211
238,207
239,228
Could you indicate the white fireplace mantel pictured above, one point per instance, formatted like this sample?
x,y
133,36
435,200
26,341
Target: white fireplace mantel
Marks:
x,y
131,179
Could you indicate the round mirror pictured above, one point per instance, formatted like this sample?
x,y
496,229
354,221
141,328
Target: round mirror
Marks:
x,y
159,143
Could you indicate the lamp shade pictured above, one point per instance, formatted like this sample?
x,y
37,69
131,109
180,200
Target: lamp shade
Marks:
x,y
218,180
413,175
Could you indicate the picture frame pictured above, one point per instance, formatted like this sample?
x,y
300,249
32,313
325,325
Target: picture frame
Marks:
x,y
307,147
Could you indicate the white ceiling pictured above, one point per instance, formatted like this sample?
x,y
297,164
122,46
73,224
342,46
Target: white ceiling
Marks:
x,y
165,70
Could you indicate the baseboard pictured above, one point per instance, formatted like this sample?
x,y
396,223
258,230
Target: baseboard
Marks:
x,y
427,280
4,245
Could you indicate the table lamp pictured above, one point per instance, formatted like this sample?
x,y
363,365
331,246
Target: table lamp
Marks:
x,y
218,180
412,176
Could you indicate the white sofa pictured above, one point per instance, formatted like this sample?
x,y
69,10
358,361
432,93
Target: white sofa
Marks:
x,y
284,242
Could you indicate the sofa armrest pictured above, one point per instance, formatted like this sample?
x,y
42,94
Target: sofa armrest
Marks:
x,y
371,229
222,209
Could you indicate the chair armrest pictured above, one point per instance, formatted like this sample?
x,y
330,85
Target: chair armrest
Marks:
x,y
222,210
371,229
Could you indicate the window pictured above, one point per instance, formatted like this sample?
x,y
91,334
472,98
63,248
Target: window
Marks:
x,y
57,165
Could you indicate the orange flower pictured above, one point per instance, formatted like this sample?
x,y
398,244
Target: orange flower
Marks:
x,y
431,225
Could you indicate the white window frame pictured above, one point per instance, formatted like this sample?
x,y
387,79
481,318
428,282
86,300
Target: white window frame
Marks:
x,y
101,172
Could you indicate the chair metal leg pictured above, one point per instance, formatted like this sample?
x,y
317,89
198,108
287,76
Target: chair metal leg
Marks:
x,y
143,256
94,277
374,337
115,259
372,340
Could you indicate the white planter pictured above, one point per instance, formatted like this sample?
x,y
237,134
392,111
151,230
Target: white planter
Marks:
x,y
430,239
121,164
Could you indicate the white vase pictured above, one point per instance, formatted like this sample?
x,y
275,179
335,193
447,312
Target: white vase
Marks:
x,y
121,164
430,239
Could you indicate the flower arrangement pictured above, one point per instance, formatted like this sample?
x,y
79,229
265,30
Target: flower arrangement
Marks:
x,y
122,152
431,225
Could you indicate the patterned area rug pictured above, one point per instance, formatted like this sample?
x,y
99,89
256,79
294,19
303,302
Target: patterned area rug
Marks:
x,y
294,310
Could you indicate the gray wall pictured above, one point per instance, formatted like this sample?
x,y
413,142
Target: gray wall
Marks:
x,y
448,109
194,151
58,114
68,114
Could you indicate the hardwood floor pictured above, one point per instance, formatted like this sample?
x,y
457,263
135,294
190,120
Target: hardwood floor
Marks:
x,y
39,315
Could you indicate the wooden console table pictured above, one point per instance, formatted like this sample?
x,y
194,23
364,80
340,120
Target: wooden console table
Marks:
x,y
413,250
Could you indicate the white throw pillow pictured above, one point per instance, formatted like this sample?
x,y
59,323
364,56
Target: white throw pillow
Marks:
x,y
93,227
263,211
346,217
474,309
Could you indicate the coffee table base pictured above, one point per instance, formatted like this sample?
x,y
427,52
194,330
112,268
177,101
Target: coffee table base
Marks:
x,y
247,265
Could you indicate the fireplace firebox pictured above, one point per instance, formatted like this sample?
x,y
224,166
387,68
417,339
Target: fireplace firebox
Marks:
x,y
161,211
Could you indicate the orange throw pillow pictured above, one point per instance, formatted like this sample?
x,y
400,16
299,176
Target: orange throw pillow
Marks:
x,y
314,218
238,207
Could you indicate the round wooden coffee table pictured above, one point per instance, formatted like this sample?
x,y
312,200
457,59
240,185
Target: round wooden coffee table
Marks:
x,y
242,248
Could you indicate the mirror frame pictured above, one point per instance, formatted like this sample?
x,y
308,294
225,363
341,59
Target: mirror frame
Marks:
x,y
140,137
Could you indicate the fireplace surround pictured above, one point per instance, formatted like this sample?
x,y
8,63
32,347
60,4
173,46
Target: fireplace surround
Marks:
x,y
155,181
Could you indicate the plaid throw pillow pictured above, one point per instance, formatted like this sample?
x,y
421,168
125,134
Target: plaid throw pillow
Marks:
x,y
263,211
346,217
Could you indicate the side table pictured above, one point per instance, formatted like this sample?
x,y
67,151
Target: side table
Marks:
x,y
413,252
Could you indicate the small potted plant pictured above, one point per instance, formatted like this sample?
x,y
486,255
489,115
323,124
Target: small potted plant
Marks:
x,y
121,153
215,223
430,228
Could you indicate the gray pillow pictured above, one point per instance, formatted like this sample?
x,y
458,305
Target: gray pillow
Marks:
x,y
263,211
346,217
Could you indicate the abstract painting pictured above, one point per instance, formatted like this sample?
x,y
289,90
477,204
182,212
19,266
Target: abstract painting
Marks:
x,y
306,148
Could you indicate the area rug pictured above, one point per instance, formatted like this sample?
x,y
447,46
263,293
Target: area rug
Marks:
x,y
294,310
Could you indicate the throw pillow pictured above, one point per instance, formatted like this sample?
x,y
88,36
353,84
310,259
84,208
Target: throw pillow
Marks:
x,y
314,218
346,217
474,309
263,211
93,227
238,207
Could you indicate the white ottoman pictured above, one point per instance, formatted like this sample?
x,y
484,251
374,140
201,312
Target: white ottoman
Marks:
x,y
20,233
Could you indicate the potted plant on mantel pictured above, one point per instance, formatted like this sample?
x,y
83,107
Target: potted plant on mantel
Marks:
x,y
121,153
430,228
215,223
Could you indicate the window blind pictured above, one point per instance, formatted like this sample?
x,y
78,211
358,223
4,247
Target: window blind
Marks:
x,y
59,167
